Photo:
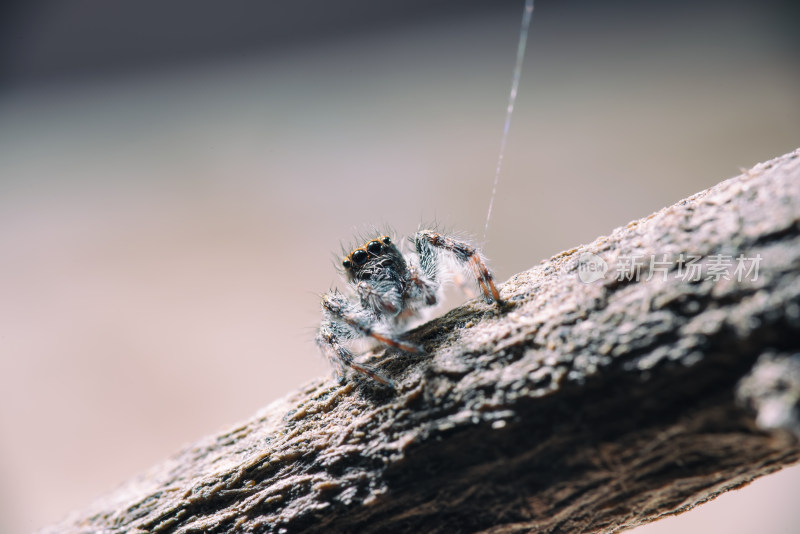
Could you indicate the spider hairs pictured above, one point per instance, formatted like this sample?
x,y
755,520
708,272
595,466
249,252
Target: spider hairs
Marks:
x,y
388,289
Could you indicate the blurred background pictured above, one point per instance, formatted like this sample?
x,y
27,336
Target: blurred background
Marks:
x,y
174,177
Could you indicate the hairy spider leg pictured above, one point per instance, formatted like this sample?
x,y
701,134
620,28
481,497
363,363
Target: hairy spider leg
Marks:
x,y
359,320
381,296
427,241
340,356
421,287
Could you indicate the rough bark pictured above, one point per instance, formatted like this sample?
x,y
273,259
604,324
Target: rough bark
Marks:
x,y
578,407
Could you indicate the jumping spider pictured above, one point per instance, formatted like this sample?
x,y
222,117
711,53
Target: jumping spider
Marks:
x,y
392,290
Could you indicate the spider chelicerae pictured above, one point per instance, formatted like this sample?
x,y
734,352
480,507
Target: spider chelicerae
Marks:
x,y
391,290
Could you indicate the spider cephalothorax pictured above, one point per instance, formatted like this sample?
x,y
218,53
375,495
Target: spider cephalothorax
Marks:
x,y
392,290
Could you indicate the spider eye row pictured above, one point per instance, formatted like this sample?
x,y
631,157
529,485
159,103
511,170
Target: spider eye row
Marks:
x,y
359,257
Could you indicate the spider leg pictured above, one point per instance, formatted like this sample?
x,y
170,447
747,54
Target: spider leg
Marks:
x,y
345,320
428,243
422,287
340,357
361,321
382,296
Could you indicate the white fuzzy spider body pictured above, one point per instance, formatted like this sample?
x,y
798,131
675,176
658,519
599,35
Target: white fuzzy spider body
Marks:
x,y
392,290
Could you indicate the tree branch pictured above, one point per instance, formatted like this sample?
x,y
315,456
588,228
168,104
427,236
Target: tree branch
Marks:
x,y
579,407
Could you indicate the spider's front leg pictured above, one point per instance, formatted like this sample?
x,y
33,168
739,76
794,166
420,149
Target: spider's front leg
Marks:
x,y
345,320
360,321
382,296
429,243
340,357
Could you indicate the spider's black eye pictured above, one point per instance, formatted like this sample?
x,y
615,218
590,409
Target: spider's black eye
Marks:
x,y
359,257
386,240
374,247
346,263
